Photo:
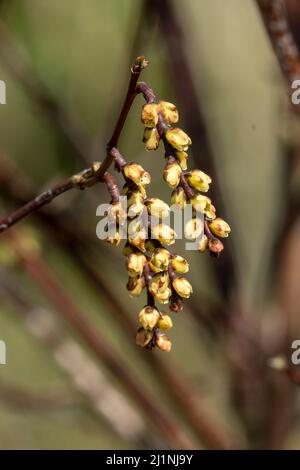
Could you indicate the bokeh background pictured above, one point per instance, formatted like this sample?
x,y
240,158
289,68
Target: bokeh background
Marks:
x,y
66,67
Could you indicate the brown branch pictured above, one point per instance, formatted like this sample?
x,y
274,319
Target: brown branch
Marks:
x,y
84,179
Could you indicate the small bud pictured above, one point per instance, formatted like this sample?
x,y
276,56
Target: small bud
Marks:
x,y
137,234
143,337
160,259
193,229
199,180
159,283
175,303
135,203
220,228
215,246
179,264
136,173
169,112
157,207
178,139
135,285
163,343
164,234
172,174
182,287
165,322
182,158
148,317
135,264
151,138
116,214
178,198
203,244
210,212
113,238
150,115
201,203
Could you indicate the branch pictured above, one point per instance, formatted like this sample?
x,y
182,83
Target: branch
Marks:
x,y
97,172
82,180
275,19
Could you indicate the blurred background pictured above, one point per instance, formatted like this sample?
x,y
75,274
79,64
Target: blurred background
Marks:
x,y
74,378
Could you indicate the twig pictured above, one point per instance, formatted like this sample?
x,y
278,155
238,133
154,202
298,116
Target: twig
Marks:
x,y
85,375
86,178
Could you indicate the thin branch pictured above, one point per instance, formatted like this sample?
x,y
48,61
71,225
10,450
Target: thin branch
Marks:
x,y
276,23
47,281
84,179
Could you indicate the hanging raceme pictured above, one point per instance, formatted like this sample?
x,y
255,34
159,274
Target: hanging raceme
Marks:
x,y
150,264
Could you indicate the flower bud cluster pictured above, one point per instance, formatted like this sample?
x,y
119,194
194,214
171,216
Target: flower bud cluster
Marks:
x,y
187,186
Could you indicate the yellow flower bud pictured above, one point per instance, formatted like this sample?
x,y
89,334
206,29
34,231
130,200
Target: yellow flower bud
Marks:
x,y
210,212
150,115
164,322
116,213
135,203
178,198
193,229
159,283
148,317
182,158
151,138
157,207
135,285
169,112
172,174
160,259
199,180
143,337
203,244
163,343
113,238
135,263
215,246
137,234
136,173
179,264
182,287
164,234
201,203
220,228
178,139
163,296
